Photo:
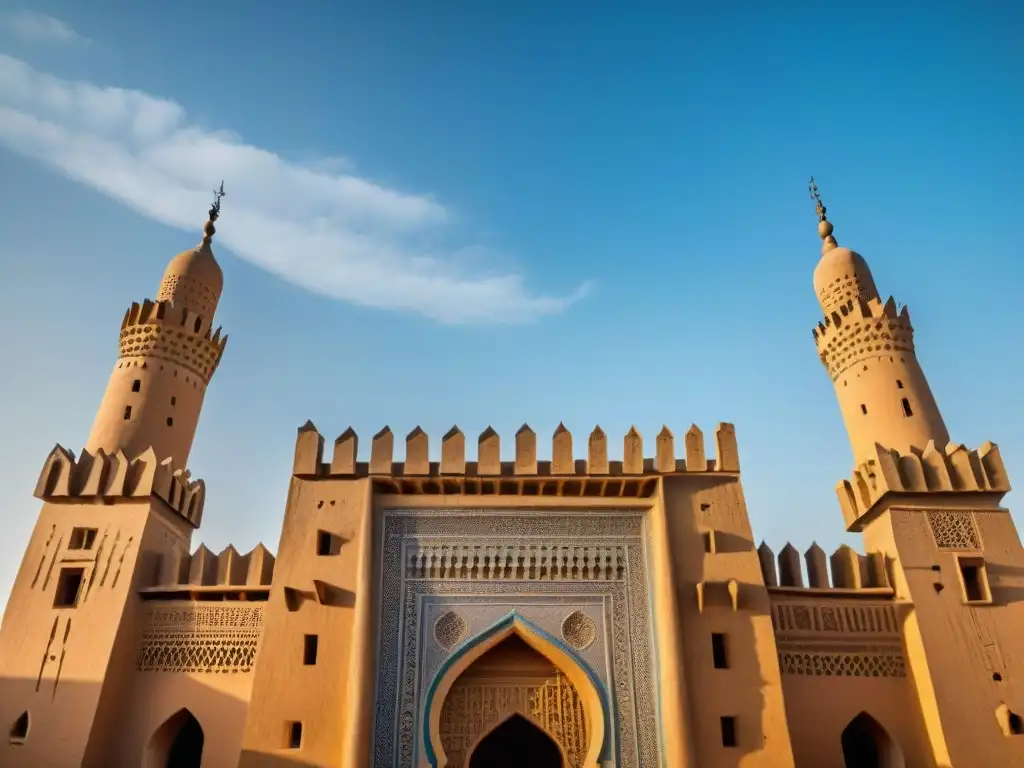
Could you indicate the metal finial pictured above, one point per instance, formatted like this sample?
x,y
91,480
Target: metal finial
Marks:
x,y
218,194
819,207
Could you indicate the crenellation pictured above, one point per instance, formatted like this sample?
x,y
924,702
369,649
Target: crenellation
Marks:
x,y
845,569
112,478
956,469
310,462
229,568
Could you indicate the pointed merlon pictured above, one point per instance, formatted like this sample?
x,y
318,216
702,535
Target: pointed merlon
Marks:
x,y
562,462
726,450
526,451
665,445
346,448
309,451
790,573
633,453
846,568
488,453
696,458
817,567
767,559
417,457
382,452
597,452
453,452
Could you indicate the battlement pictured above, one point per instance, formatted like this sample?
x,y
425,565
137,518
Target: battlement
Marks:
x,y
108,479
851,573
563,474
159,329
204,575
860,329
954,470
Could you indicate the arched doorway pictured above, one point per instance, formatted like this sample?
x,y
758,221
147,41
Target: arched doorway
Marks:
x,y
178,743
517,743
866,744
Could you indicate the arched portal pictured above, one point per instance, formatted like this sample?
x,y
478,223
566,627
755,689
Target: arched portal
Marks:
x,y
515,743
178,743
866,744
514,668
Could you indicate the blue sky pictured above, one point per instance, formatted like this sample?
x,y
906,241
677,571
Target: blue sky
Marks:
x,y
507,212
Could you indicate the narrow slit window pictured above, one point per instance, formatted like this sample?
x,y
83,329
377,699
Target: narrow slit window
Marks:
x,y
1016,723
137,385
69,585
170,421
899,384
310,646
323,543
729,732
719,650
174,401
863,408
974,579
907,410
709,542
294,735
19,731
127,412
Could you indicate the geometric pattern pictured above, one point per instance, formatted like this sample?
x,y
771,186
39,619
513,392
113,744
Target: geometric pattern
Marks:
x,y
449,630
207,639
578,630
885,663
954,530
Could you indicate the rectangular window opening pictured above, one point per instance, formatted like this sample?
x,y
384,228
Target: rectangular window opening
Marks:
x,y
899,384
719,650
709,542
729,732
82,538
907,411
294,735
127,412
324,542
136,385
975,579
69,585
310,645
863,408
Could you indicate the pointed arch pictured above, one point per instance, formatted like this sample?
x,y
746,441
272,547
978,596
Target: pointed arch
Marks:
x,y
866,744
177,743
473,759
19,730
579,673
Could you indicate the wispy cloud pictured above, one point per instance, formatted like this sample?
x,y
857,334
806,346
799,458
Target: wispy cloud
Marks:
x,y
319,227
34,27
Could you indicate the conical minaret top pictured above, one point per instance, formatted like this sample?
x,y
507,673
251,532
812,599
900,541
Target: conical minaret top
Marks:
x,y
867,347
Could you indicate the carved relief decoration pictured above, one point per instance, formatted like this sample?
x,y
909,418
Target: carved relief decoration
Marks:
x,y
497,547
449,630
214,639
884,661
471,710
578,630
853,619
954,530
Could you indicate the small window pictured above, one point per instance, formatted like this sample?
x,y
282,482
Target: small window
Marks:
x,y
974,579
69,584
863,408
82,538
907,411
1016,723
709,542
198,324
127,412
136,385
19,731
324,542
170,421
719,652
174,401
899,384
729,732
294,735
310,645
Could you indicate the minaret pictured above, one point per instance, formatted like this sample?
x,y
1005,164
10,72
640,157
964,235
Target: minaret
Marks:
x,y
167,358
868,349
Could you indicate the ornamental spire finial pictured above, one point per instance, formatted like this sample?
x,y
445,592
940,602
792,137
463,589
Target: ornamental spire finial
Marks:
x,y
208,229
824,225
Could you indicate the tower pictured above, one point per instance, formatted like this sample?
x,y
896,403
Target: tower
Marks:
x,y
168,356
115,520
868,349
931,507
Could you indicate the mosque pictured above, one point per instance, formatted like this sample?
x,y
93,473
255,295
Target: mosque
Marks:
x,y
572,607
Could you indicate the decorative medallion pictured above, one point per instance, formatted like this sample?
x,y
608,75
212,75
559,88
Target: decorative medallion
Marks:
x,y
449,629
578,630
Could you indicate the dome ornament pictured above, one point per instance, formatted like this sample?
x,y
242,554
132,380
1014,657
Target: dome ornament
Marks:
x,y
824,225
208,229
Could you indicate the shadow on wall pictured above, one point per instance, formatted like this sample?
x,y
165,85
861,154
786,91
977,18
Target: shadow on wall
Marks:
x,y
726,691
